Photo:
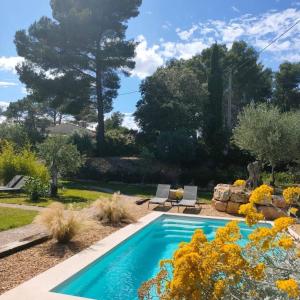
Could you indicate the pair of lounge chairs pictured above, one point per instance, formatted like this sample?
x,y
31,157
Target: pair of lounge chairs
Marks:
x,y
15,185
162,196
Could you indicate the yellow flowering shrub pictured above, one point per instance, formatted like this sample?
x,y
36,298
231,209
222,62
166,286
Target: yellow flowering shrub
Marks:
x,y
289,286
293,210
291,195
262,194
268,265
239,182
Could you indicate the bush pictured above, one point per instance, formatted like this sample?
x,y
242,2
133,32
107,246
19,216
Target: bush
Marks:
x,y
35,188
120,142
85,143
63,225
112,211
14,133
266,268
281,178
23,162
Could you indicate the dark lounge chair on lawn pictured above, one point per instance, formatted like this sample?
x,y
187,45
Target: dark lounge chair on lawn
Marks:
x,y
162,195
189,197
15,185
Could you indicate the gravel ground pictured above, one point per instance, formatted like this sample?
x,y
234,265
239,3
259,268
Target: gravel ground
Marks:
x,y
26,264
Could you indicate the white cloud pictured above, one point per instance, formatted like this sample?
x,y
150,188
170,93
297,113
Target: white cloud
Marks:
x,y
166,25
8,63
6,84
147,59
129,121
234,8
186,34
257,30
3,107
4,104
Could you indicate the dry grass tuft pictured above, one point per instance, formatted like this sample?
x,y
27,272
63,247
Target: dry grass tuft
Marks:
x,y
63,225
112,211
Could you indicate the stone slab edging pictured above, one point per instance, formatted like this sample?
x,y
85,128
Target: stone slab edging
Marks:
x,y
22,244
40,286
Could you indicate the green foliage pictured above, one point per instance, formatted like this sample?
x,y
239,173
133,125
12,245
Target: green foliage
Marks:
x,y
176,146
172,99
213,131
22,162
282,178
120,142
61,157
87,50
35,188
115,121
14,133
85,143
268,134
287,80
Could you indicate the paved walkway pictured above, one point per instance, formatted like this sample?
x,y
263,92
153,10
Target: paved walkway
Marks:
x,y
20,233
21,206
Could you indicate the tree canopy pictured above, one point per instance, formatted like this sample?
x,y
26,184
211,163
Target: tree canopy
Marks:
x,y
269,135
83,46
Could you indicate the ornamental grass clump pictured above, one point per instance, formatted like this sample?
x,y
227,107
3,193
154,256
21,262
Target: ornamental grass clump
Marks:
x,y
63,225
112,211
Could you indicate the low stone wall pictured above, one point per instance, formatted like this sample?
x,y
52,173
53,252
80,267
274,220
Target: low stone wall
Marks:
x,y
229,198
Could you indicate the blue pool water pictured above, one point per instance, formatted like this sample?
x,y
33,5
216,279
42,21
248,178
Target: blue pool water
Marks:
x,y
119,274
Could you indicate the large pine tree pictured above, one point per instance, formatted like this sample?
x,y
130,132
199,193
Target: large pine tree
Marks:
x,y
86,41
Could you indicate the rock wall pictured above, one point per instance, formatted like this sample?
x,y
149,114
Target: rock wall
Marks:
x,y
228,198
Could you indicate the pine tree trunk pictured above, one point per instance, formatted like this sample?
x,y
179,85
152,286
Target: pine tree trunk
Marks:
x,y
100,114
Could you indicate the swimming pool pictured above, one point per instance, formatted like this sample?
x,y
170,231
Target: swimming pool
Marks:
x,y
119,273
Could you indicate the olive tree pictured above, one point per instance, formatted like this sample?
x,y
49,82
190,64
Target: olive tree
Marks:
x,y
61,157
271,136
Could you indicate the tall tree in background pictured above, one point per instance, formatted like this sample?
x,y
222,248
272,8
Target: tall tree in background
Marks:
x,y
213,131
287,86
172,99
86,42
251,81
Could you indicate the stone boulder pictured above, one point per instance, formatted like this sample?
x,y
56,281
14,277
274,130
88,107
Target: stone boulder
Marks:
x,y
279,201
238,195
233,207
219,205
228,198
269,212
222,192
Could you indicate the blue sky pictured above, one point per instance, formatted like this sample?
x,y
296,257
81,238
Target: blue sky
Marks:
x,y
167,29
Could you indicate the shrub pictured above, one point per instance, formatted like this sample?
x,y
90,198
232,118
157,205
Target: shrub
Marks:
x,y
112,211
61,157
266,268
85,143
35,188
23,162
120,142
63,225
239,182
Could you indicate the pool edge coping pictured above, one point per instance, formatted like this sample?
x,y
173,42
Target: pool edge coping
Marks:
x,y
40,286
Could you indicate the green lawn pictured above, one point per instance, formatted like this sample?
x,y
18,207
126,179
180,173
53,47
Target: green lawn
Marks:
x,y
81,193
13,217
